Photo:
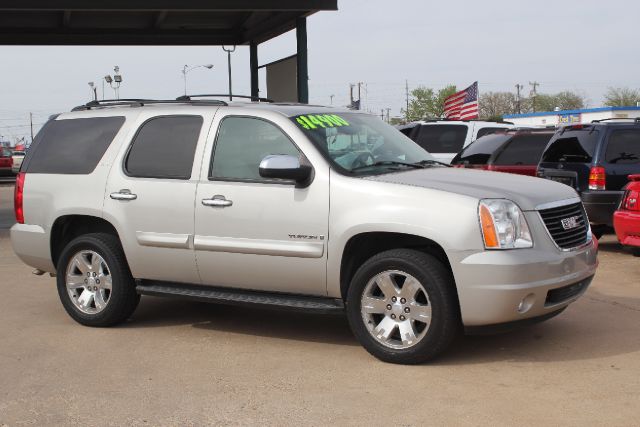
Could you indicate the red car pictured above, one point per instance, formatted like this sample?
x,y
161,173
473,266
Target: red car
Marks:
x,y
5,161
626,220
513,150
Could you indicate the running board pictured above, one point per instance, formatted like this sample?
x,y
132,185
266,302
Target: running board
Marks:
x,y
233,296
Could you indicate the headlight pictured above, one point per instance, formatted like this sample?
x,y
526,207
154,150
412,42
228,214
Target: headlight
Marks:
x,y
503,225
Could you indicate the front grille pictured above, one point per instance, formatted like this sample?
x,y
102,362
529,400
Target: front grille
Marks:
x,y
565,293
571,234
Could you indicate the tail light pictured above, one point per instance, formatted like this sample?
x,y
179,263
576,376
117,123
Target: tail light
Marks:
x,y
18,198
631,200
597,178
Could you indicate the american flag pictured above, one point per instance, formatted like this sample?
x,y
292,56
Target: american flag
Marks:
x,y
462,105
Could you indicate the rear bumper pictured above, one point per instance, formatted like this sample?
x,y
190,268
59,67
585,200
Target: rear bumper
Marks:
x,y
627,226
497,287
600,205
31,244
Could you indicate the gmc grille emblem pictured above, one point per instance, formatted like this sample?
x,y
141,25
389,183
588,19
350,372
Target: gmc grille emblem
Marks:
x,y
570,223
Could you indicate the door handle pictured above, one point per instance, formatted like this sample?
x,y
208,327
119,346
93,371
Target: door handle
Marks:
x,y
217,201
123,195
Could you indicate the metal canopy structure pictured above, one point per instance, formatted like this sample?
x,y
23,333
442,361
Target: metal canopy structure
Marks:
x,y
162,22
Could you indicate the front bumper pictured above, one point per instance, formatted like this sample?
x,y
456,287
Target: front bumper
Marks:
x,y
496,287
600,205
627,226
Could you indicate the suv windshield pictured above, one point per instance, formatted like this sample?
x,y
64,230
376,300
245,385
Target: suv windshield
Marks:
x,y
572,146
360,143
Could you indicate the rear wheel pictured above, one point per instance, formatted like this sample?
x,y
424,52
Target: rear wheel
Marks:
x,y
94,282
402,306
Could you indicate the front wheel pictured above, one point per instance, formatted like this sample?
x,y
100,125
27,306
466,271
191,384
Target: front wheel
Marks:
x,y
402,306
94,282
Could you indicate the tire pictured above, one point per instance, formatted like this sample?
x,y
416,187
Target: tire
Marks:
x,y
85,268
403,267
635,251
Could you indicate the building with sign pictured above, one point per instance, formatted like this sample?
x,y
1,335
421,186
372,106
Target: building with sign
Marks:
x,y
564,117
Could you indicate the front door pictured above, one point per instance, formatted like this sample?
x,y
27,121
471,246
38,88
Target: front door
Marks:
x,y
150,195
256,233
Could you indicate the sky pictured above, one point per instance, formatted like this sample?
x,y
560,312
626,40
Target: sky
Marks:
x,y
580,45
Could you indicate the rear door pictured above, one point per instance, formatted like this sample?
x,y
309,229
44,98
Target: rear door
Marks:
x,y
522,154
151,191
621,156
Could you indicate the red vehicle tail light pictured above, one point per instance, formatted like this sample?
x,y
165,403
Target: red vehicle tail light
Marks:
x,y
597,178
18,198
631,200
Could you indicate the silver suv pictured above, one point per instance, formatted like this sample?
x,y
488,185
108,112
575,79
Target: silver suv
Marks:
x,y
292,206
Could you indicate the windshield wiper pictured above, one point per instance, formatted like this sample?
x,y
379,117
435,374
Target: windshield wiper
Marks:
x,y
432,162
390,163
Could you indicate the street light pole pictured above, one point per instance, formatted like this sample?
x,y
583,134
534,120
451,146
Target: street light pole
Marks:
x,y
229,50
186,69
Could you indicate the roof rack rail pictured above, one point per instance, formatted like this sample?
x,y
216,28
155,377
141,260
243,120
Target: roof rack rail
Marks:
x,y
135,102
611,119
444,119
222,95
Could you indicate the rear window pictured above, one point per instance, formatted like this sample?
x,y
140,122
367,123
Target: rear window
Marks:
x,y
523,150
573,146
442,138
73,146
480,151
624,147
487,131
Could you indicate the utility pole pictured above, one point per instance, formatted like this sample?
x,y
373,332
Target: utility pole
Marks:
x,y
406,94
31,124
388,119
382,114
331,98
519,87
351,85
359,96
534,94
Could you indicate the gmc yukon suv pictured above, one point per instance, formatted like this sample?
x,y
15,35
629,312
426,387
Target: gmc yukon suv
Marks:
x,y
297,207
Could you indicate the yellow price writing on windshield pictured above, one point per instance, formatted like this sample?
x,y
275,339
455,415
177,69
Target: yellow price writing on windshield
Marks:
x,y
314,121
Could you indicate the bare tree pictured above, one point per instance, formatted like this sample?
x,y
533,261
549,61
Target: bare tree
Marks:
x,y
621,97
494,105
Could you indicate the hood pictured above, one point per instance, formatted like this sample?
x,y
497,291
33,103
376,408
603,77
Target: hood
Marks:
x,y
526,191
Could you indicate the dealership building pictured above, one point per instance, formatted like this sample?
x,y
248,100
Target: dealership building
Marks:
x,y
564,117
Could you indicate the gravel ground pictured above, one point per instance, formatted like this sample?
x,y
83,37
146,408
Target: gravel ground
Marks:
x,y
185,363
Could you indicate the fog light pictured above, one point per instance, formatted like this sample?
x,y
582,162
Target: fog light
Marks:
x,y
526,303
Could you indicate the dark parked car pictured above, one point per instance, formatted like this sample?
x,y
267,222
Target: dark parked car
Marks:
x,y
5,161
596,160
514,151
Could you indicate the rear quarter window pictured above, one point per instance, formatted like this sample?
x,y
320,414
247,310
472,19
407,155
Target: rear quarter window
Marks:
x,y
572,146
72,146
624,147
442,138
488,131
523,150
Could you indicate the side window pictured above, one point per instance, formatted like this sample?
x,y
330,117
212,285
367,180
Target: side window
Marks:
x,y
164,147
624,147
72,146
487,131
523,150
442,138
242,143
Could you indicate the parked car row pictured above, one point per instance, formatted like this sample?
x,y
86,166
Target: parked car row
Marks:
x,y
10,161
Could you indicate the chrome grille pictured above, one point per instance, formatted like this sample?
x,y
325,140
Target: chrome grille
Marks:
x,y
573,232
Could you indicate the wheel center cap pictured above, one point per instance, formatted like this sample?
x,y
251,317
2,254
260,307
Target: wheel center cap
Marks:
x,y
397,309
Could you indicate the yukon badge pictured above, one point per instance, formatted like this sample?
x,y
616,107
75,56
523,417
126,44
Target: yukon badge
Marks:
x,y
570,223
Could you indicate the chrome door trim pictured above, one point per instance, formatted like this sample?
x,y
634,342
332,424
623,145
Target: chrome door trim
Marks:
x,y
259,246
163,240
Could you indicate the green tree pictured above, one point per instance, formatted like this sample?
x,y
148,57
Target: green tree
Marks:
x,y
425,102
565,100
621,97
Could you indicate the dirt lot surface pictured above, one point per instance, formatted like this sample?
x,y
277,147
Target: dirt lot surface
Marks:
x,y
185,363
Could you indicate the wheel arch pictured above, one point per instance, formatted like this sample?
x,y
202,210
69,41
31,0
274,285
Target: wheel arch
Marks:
x,y
67,227
363,246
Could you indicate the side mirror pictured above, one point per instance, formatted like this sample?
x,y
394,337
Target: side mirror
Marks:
x,y
283,166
